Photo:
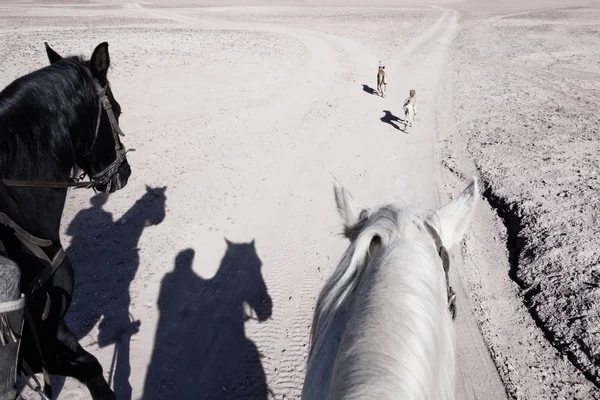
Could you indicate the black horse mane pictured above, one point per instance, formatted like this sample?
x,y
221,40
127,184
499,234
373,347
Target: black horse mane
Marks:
x,y
38,112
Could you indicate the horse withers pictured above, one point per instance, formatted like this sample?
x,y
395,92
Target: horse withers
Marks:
x,y
383,323
57,124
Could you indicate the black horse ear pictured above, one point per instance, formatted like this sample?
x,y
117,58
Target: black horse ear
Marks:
x,y
52,55
100,61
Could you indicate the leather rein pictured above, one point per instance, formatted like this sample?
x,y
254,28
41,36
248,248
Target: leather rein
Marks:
x,y
443,253
103,177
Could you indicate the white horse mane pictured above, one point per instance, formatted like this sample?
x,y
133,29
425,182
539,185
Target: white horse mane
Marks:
x,y
381,326
383,224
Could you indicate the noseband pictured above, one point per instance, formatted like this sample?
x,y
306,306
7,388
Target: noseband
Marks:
x,y
102,178
443,253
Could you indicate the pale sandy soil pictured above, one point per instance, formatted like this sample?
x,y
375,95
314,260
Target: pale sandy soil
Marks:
x,y
527,97
242,113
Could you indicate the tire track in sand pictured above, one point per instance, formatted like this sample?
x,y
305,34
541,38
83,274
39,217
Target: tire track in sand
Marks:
x,y
308,152
477,376
422,64
283,339
474,362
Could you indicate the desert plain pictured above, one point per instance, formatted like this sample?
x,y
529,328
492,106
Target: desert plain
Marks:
x,y
240,112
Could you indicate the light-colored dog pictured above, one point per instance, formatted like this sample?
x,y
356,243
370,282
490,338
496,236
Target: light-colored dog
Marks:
x,y
381,81
410,108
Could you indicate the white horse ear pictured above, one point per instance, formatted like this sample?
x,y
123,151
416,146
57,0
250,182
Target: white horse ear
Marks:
x,y
455,217
347,207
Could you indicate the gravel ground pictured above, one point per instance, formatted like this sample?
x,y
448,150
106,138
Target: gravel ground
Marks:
x,y
527,101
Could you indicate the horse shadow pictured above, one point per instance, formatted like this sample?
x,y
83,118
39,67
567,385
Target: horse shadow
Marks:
x,y
105,258
201,350
390,118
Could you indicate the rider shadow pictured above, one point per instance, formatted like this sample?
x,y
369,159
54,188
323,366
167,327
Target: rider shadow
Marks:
x,y
369,89
390,118
105,258
201,350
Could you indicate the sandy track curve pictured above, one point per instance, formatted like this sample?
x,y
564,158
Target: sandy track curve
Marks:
x,y
247,155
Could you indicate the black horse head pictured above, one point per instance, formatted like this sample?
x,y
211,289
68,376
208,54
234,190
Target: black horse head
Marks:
x,y
56,122
98,149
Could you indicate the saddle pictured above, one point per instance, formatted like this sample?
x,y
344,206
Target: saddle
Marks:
x,y
12,307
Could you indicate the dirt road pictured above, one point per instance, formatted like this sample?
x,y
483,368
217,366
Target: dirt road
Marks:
x,y
243,114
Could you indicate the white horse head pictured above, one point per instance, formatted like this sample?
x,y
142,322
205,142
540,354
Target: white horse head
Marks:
x,y
382,328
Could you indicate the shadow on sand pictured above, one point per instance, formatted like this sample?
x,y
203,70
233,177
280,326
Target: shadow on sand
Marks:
x,y
201,350
390,118
105,258
369,89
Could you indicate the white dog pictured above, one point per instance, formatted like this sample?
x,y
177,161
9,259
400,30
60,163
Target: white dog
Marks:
x,y
410,108
381,80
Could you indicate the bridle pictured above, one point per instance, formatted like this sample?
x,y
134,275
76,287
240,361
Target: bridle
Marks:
x,y
443,253
105,176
